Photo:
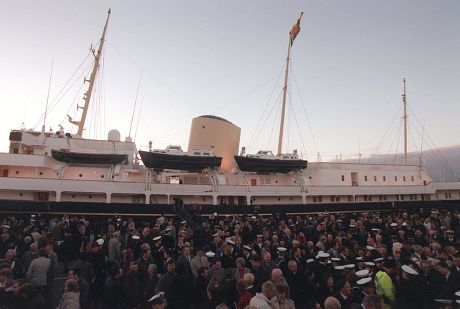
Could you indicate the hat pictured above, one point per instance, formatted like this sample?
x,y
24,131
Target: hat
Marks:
x,y
447,232
170,261
377,260
350,266
409,270
168,229
157,238
186,244
394,224
369,264
352,225
362,273
340,267
375,230
183,222
404,224
253,217
310,261
247,248
335,259
210,254
443,301
457,293
359,259
215,214
282,249
135,237
260,235
370,248
157,299
215,235
6,226
229,241
100,241
322,255
364,281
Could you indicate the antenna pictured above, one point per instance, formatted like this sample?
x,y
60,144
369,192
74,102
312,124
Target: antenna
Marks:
x,y
48,97
135,103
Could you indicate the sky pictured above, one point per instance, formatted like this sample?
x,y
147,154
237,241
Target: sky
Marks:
x,y
226,58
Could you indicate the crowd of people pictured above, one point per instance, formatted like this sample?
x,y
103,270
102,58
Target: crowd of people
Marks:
x,y
365,260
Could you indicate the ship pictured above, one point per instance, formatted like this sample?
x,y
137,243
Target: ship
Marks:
x,y
60,172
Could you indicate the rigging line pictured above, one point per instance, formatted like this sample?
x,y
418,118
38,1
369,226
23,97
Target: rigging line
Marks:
x,y
48,94
397,144
389,134
304,109
384,137
298,126
251,140
434,146
138,118
273,127
135,103
148,74
265,121
219,109
56,101
438,155
388,154
75,99
53,102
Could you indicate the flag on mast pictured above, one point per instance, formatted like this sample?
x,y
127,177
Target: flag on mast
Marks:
x,y
295,29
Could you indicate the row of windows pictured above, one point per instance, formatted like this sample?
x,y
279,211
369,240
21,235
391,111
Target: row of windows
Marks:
x,y
384,178
369,198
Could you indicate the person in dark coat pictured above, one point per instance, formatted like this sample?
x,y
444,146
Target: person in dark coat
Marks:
x,y
111,292
75,274
181,287
260,274
152,282
412,293
133,288
326,288
298,284
343,293
200,288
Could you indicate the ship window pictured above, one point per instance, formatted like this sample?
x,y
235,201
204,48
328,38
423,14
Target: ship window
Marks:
x,y
412,177
90,196
80,175
349,198
343,177
402,197
332,198
384,178
315,199
375,178
5,172
384,197
41,173
276,181
196,153
279,199
102,176
337,198
73,195
396,178
370,198
206,153
21,194
365,178
404,178
365,198
380,197
320,199
17,172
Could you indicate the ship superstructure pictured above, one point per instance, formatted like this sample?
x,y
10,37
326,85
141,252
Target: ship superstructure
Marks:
x,y
60,168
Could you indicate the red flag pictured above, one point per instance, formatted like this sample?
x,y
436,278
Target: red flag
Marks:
x,y
295,29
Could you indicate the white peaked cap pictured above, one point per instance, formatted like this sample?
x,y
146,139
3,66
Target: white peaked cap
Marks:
x,y
100,241
362,273
409,270
210,254
364,281
136,237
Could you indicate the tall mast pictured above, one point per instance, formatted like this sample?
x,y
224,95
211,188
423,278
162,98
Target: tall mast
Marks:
x,y
283,108
404,97
292,35
87,95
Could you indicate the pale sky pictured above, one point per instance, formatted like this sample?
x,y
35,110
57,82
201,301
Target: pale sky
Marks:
x,y
224,58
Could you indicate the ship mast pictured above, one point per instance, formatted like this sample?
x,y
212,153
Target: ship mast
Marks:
x,y
292,34
404,97
87,95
